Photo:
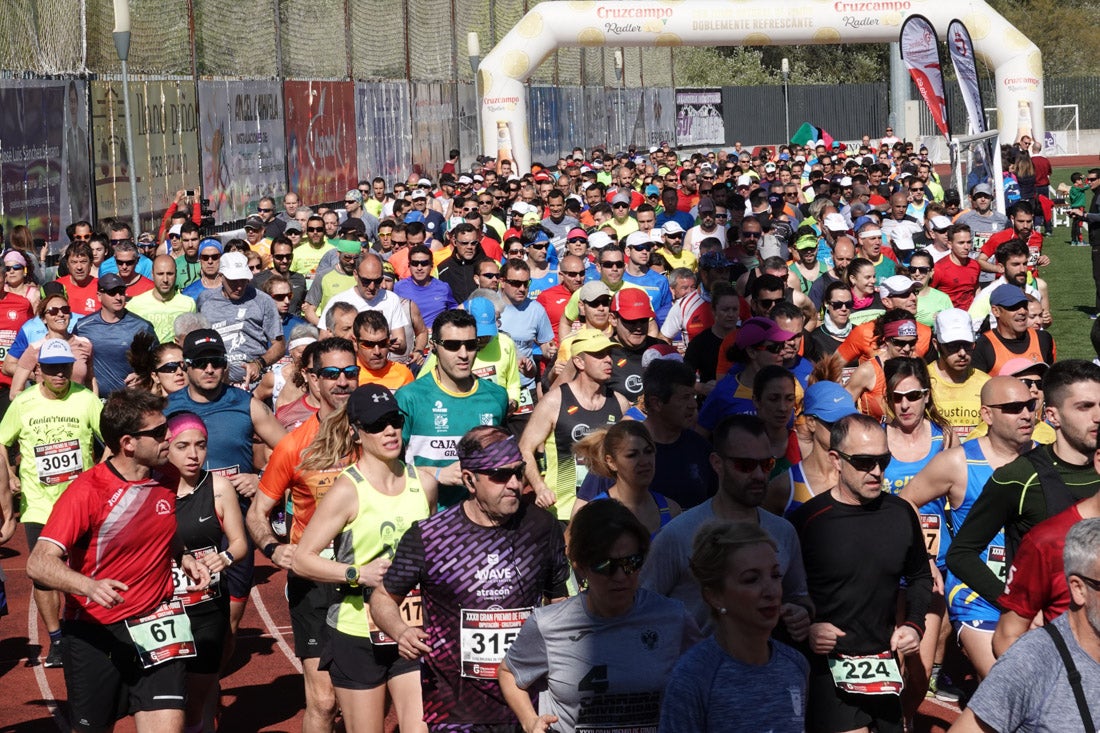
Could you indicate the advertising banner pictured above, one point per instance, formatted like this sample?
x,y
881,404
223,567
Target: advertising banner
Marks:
x,y
320,139
166,156
699,118
962,58
659,113
383,130
921,52
45,176
243,145
433,133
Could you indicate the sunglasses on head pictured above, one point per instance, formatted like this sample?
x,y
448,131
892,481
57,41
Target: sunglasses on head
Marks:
x,y
1015,408
201,363
457,344
912,395
394,420
504,475
748,465
333,373
170,367
866,462
629,565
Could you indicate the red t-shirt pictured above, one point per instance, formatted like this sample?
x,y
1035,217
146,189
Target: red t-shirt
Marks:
x,y
83,299
1034,242
958,282
141,285
685,202
15,310
1037,579
553,301
118,529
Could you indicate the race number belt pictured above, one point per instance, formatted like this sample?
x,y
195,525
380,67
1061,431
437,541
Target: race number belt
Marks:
x,y
526,402
58,462
412,613
931,525
995,560
485,637
873,674
163,635
180,581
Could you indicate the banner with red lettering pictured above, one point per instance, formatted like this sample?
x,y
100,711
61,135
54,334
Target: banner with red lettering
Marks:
x,y
320,139
921,53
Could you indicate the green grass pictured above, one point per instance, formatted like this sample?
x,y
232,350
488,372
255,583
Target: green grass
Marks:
x,y
1069,278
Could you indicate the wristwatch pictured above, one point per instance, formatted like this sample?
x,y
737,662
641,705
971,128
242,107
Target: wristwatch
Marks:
x,y
227,556
269,549
351,575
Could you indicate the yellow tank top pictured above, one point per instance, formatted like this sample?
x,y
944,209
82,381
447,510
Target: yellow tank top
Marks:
x,y
377,528
960,404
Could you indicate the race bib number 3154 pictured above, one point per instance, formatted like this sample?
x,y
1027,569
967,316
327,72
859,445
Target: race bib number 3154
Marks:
x,y
485,638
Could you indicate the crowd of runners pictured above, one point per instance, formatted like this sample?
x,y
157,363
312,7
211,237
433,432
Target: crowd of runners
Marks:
x,y
638,440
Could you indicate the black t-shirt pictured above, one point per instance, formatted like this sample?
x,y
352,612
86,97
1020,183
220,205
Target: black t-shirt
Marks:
x,y
985,357
626,369
702,355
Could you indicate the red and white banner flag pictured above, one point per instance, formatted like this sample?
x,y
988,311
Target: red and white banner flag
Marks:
x,y
921,53
966,70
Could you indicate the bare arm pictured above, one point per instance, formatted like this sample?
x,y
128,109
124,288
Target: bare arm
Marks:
x,y
534,436
229,514
386,611
9,365
265,424
309,312
519,700
968,723
341,505
46,566
260,528
1010,627
7,505
565,327
937,480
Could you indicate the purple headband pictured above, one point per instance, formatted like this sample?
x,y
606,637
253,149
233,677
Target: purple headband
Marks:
x,y
492,456
183,422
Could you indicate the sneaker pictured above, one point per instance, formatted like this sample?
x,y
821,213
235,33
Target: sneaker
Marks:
x,y
53,658
278,525
940,687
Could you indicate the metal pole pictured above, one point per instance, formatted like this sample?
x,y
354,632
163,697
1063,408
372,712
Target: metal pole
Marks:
x,y
122,45
473,50
786,67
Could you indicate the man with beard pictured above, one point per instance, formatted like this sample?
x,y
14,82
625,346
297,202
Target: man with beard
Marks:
x,y
955,381
1011,338
1021,216
1039,484
672,249
1013,257
708,226
187,264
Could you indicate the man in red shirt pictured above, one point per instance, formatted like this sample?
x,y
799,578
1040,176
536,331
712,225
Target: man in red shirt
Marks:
x,y
1021,217
15,310
126,259
81,287
570,278
957,274
1037,580
108,545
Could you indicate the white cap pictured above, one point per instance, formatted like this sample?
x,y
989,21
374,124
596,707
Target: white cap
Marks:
x,y
744,180
465,180
639,237
419,193
598,240
672,227
234,266
940,222
897,285
175,229
653,148
423,182
55,351
845,181
952,325
835,223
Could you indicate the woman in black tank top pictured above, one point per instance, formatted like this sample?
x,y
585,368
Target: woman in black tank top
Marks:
x,y
208,519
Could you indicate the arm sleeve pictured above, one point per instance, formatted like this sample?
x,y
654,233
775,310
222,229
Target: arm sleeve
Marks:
x,y
164,221
196,213
991,512
405,572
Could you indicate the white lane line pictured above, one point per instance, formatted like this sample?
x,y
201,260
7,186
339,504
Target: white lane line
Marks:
x,y
273,629
40,671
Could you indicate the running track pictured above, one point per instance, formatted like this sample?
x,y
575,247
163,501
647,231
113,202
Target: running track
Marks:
x,y
263,692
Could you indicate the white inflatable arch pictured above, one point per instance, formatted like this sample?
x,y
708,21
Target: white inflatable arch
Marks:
x,y
1015,60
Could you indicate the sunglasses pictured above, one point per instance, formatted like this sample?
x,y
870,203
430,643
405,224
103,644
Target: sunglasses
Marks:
x,y
613,264
281,297
504,475
539,245
1031,382
769,303
420,263
201,363
283,257
315,229
620,206
840,304
159,433
332,373
367,281
351,201
912,395
59,310
170,367
210,258
1015,408
489,275
748,465
772,347
264,211
916,270
604,301
114,292
1014,308
866,462
252,229
904,343
574,240
457,344
677,235
629,565
641,247
379,344
518,283
394,420
120,241
954,346
571,273
512,254
10,268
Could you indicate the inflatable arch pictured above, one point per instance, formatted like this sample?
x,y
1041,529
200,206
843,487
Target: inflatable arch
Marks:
x,y
1015,60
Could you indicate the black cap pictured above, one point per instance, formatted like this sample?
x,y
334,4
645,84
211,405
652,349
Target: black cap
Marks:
x,y
370,402
109,282
353,225
203,342
255,222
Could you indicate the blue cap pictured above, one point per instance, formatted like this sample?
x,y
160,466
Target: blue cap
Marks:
x,y
485,313
828,401
210,242
652,190
713,261
1007,296
861,221
414,216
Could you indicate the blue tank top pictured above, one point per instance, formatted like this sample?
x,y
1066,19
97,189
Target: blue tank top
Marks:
x,y
229,427
933,517
662,507
966,604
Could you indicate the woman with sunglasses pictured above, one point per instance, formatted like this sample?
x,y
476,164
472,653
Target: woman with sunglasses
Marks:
x,y
929,300
739,678
625,453
18,278
55,314
861,279
586,683
201,496
169,372
917,432
363,517
896,334
836,324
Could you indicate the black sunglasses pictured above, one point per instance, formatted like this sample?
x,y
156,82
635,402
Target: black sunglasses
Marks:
x,y
1015,408
159,433
840,304
603,301
202,362
866,462
420,263
613,264
393,420
170,367
504,475
456,344
517,283
365,281
629,565
332,373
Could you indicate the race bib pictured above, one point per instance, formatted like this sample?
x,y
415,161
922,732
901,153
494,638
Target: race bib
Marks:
x,y
227,472
526,402
846,374
995,561
978,242
412,611
180,581
162,635
931,525
486,372
874,674
582,470
485,637
58,462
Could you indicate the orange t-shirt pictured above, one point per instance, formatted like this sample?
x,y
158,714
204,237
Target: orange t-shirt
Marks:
x,y
83,299
306,487
860,344
393,377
